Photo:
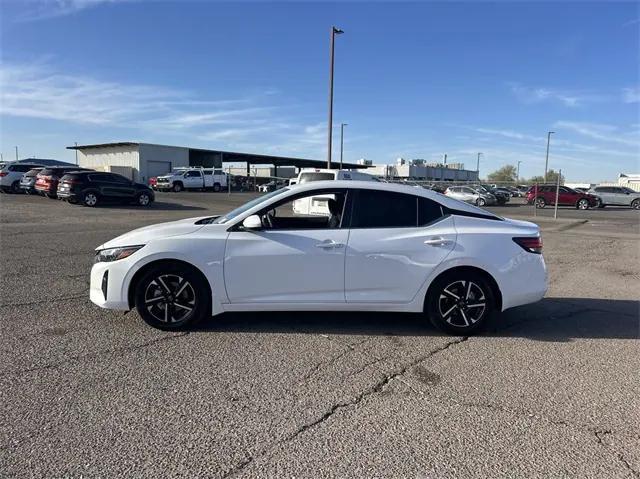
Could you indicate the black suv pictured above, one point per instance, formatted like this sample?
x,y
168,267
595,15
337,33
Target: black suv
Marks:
x,y
92,188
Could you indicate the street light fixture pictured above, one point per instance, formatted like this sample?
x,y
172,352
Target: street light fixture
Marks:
x,y
334,31
546,161
342,125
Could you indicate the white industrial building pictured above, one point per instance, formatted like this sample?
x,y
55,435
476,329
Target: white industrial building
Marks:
x,y
421,170
141,161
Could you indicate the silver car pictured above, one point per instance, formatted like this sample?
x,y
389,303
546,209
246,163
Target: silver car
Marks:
x,y
471,195
616,196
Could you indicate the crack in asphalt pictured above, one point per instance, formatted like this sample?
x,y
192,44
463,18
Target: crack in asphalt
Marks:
x,y
96,354
333,359
373,389
619,455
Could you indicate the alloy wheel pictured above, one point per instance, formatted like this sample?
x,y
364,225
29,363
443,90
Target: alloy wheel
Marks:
x,y
90,199
635,204
583,204
143,199
540,203
462,303
170,298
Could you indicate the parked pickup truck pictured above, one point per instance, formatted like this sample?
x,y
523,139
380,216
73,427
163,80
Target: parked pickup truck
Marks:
x,y
193,178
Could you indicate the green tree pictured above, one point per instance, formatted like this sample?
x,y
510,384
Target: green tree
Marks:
x,y
552,177
505,174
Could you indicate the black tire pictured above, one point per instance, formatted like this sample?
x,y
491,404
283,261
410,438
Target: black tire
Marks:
x,y
540,202
177,187
600,204
635,204
582,204
216,187
143,199
449,307
151,297
15,187
90,199
480,202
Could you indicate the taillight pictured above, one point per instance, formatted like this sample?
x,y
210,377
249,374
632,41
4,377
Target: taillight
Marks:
x,y
3,173
532,244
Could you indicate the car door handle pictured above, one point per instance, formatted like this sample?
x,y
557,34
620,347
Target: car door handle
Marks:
x,y
437,241
326,244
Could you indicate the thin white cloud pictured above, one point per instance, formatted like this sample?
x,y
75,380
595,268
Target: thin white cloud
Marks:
x,y
631,95
533,95
43,9
602,132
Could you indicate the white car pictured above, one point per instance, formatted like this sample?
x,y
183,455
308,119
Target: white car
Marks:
x,y
383,247
11,174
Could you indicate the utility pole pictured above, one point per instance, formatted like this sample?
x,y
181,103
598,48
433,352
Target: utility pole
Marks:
x,y
16,153
546,161
76,152
478,166
342,125
518,171
334,31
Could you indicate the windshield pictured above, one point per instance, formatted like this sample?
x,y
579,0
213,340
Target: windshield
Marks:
x,y
313,176
247,206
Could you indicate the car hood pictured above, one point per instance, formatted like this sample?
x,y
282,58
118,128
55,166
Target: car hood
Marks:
x,y
143,235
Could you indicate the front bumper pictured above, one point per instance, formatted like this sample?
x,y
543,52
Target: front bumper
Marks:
x,y
109,291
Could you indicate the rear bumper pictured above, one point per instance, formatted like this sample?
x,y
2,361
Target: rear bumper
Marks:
x,y
526,282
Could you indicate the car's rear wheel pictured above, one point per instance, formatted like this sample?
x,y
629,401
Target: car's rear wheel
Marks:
x,y
540,202
15,187
599,203
480,202
460,303
143,199
635,204
90,199
171,297
216,187
582,204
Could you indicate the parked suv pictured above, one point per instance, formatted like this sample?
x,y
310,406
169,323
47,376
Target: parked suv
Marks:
x,y
92,188
471,195
543,195
616,196
48,178
11,174
28,181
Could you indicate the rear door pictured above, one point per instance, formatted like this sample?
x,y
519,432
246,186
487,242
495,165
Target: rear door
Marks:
x,y
620,196
113,186
395,241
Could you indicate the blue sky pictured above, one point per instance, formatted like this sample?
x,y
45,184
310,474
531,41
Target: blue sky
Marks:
x,y
415,80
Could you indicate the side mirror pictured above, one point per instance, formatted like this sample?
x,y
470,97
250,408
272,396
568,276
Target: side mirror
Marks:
x,y
252,222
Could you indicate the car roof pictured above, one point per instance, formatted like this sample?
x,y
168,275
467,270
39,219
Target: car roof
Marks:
x,y
398,188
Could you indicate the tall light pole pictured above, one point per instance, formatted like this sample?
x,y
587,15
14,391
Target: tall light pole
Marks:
x,y
342,125
546,161
478,166
518,171
16,153
334,31
76,152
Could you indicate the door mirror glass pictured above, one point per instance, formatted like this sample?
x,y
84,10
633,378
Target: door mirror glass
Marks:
x,y
252,222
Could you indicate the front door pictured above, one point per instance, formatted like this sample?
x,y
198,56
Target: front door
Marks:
x,y
293,258
396,241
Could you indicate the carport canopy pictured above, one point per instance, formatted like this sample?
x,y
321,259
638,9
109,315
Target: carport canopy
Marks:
x,y
232,156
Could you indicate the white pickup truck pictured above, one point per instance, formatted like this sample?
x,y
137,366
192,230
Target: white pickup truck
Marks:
x,y
192,178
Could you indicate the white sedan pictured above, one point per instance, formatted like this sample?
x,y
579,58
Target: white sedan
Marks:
x,y
378,247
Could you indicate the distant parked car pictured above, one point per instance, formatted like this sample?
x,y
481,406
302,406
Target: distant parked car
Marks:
x,y
92,188
616,196
502,196
153,182
48,178
543,195
28,181
515,192
471,195
11,174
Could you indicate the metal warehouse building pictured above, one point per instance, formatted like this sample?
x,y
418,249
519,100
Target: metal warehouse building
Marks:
x,y
141,161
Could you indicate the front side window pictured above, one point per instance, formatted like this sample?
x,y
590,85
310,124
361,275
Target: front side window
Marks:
x,y
313,210
247,206
384,209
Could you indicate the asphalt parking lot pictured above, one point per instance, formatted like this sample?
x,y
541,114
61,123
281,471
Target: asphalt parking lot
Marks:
x,y
552,389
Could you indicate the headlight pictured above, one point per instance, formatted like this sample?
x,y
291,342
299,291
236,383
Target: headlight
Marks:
x,y
114,254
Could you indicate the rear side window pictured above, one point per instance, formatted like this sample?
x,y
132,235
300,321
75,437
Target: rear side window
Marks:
x,y
315,176
193,173
384,209
428,211
20,168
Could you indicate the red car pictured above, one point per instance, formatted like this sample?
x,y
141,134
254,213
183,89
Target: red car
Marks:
x,y
543,195
153,182
48,178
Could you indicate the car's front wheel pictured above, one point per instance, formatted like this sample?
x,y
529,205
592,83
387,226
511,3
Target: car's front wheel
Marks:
x,y
480,202
171,297
460,303
540,202
582,204
177,187
143,199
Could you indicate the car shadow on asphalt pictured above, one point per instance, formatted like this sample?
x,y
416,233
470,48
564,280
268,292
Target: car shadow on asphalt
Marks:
x,y
155,206
552,319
